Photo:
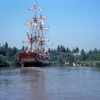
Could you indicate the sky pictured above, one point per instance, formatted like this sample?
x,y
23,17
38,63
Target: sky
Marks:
x,y
72,23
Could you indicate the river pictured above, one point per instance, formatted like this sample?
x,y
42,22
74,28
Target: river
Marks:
x,y
50,83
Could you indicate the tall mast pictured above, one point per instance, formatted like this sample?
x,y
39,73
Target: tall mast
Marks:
x,y
41,28
33,25
36,29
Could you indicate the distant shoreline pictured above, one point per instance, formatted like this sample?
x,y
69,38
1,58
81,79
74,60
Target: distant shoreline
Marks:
x,y
64,56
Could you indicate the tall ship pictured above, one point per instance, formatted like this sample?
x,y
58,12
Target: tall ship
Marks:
x,y
36,53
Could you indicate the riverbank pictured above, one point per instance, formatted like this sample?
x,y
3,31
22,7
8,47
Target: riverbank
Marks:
x,y
64,56
79,64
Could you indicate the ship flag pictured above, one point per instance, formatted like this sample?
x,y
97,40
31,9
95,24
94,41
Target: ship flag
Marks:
x,y
28,38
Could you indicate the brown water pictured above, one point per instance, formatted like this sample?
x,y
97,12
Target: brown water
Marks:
x,y
50,83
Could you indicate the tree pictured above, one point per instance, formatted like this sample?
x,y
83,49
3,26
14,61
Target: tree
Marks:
x,y
6,45
3,51
23,48
83,55
58,48
76,50
68,50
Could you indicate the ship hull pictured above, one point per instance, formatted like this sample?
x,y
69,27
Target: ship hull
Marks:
x,y
31,59
34,64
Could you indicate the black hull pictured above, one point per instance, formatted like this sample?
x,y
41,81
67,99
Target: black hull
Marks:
x,y
34,64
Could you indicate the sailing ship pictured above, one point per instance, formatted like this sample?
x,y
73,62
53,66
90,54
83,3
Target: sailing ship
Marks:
x,y
37,53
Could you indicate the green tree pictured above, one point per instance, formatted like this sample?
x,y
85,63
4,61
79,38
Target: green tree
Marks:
x,y
6,45
76,50
83,55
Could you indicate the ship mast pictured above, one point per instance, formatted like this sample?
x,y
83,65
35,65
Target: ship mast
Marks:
x,y
37,29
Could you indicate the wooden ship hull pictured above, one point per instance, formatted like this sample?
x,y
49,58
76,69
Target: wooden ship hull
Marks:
x,y
32,59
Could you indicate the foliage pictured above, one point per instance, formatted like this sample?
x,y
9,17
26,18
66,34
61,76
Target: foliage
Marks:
x,y
9,56
61,55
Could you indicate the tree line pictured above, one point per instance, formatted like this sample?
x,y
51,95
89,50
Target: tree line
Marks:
x,y
62,55
9,56
75,57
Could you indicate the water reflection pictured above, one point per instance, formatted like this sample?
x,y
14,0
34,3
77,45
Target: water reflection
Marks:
x,y
97,69
34,79
50,83
5,82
